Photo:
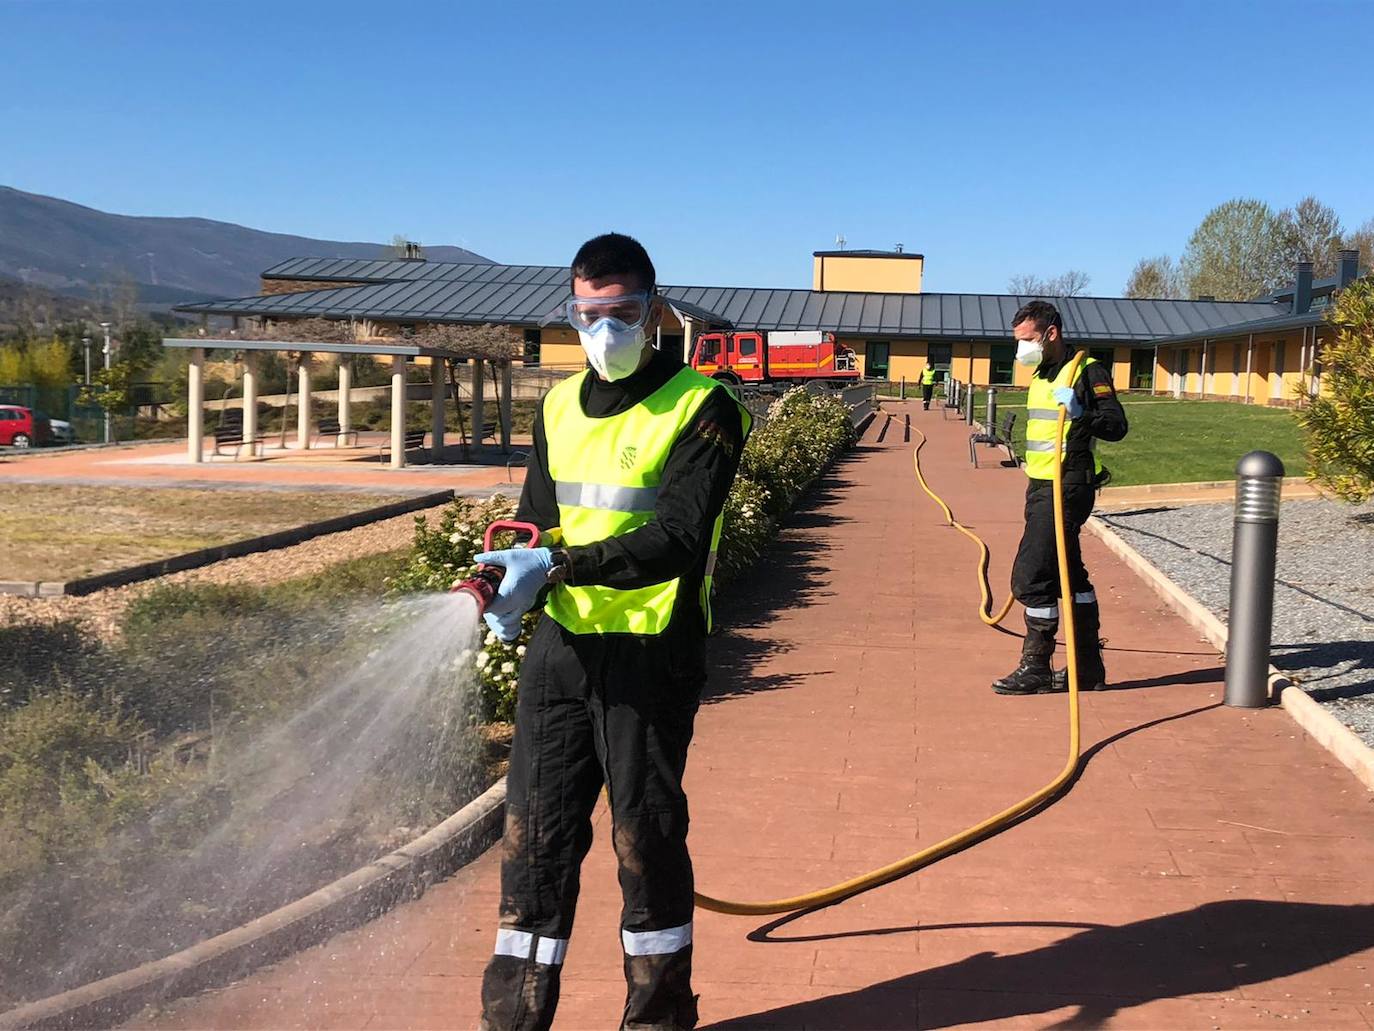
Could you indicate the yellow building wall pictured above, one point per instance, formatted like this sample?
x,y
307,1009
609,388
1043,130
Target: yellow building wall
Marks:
x,y
895,274
1121,368
905,357
560,349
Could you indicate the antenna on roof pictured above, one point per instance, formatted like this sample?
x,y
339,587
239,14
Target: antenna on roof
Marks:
x,y
840,241
899,248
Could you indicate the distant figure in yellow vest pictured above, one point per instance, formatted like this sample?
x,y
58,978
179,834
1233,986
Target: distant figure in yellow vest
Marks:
x,y
927,386
632,462
1093,413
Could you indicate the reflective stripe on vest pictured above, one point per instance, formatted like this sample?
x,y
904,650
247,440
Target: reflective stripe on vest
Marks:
x,y
1042,421
606,475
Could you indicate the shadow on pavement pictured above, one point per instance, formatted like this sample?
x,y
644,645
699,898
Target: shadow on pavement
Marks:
x,y
790,575
1211,675
1210,950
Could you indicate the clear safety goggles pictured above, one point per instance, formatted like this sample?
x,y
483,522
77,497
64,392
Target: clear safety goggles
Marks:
x,y
630,310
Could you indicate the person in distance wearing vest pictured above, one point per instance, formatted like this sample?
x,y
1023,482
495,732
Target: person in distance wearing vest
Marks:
x,y
927,385
632,462
1093,413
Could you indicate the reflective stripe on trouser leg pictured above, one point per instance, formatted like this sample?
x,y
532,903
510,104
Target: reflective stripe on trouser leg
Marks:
x,y
1085,598
524,945
656,943
1046,612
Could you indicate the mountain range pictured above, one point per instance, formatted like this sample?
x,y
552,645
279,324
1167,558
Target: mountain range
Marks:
x,y
69,249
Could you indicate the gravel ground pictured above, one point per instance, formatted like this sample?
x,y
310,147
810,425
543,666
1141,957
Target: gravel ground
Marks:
x,y
1323,595
103,608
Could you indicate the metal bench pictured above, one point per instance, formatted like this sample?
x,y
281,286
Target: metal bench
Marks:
x,y
331,428
999,437
414,441
229,433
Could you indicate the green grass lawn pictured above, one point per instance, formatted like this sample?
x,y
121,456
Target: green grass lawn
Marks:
x,y
1179,441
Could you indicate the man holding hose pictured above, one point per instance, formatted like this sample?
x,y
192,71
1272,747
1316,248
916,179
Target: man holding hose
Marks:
x,y
632,462
1092,413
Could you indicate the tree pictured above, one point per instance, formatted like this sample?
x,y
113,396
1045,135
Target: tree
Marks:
x,y
1339,419
1154,277
1362,240
1238,252
1313,233
1067,284
487,342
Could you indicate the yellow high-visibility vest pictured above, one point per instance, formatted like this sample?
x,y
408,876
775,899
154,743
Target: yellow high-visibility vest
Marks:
x,y
927,377
606,474
1042,418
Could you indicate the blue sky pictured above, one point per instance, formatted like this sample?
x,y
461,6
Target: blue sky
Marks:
x,y
732,138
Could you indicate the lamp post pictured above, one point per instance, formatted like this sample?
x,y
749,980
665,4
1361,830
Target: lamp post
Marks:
x,y
109,428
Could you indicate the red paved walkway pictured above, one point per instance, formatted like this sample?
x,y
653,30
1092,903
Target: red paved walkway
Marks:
x,y
1211,868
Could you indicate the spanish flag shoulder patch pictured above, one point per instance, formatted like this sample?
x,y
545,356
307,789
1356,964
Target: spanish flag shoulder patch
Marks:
x,y
1102,389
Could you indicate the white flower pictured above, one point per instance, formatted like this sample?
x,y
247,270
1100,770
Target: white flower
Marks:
x,y
483,658
490,638
507,667
520,651
454,538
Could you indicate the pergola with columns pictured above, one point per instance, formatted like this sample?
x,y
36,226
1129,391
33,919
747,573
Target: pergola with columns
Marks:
x,y
398,350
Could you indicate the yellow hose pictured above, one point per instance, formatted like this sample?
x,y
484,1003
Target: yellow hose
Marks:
x,y
992,824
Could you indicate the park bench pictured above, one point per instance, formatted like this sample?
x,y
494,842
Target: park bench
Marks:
x,y
999,437
414,441
331,428
229,433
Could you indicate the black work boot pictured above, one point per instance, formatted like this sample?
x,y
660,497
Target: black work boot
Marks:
x,y
1033,675
1092,671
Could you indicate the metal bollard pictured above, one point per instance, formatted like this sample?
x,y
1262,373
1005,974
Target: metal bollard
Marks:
x,y
903,388
991,424
968,406
1254,550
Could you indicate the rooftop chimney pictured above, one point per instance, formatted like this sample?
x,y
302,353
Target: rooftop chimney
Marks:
x,y
414,252
1302,288
1348,268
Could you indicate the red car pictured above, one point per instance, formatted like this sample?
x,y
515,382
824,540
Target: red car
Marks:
x,y
19,427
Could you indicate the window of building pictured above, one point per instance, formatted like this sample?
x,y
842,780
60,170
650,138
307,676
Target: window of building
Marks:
x,y
941,355
531,354
1103,355
877,359
1142,369
1002,365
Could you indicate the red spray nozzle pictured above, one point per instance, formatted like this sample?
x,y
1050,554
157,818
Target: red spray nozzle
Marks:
x,y
484,583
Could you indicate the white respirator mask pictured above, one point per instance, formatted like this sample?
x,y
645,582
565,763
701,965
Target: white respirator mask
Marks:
x,y
1029,352
613,349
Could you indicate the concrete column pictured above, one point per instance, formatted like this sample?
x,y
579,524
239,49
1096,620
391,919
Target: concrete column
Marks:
x,y
506,384
398,411
687,339
303,403
479,415
195,406
345,394
436,425
250,400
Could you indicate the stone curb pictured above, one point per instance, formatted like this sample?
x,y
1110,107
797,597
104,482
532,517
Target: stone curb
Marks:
x,y
347,902
234,549
1333,735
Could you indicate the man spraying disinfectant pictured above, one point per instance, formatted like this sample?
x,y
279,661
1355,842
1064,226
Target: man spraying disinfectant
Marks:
x,y
632,463
1093,413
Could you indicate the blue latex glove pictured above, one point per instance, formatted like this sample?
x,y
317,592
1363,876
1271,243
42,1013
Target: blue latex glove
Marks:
x,y
527,571
1066,397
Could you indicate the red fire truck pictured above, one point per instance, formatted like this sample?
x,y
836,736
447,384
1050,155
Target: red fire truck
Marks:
x,y
753,357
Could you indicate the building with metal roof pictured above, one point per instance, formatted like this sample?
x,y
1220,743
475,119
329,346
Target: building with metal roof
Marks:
x,y
894,333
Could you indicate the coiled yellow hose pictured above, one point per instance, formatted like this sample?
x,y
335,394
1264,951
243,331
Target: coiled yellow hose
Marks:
x,y
994,823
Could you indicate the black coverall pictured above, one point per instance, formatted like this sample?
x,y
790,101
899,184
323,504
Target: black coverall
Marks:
x,y
618,710
1035,574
